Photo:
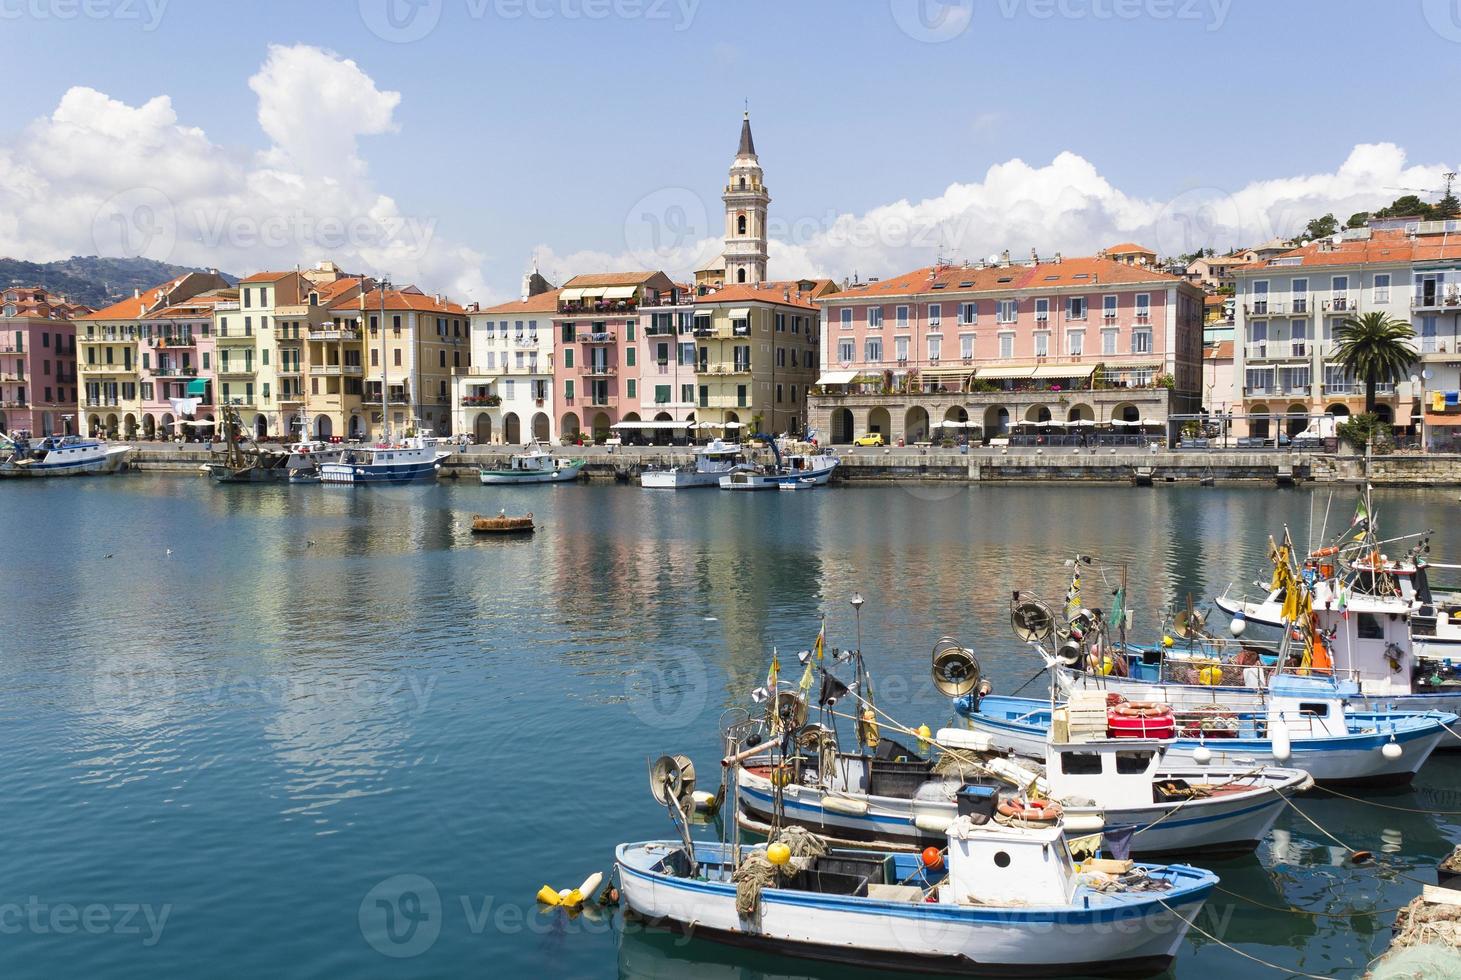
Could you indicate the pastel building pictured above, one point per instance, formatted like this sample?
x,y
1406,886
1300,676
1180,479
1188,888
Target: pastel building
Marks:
x,y
757,354
134,355
398,342
596,336
37,361
504,394
997,345
1290,306
667,366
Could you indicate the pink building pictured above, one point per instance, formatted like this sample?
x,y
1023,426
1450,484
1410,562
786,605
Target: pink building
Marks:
x,y
596,337
37,362
1064,340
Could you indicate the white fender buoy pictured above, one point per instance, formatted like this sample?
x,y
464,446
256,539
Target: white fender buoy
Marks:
x,y
590,886
1239,623
1282,747
1202,755
1391,749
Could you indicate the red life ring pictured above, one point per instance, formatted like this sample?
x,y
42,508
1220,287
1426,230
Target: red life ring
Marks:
x,y
1142,709
1040,811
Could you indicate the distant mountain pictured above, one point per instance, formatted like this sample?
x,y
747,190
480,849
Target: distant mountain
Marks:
x,y
91,279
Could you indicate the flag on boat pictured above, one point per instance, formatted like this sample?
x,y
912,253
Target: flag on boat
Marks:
x,y
1361,520
1073,597
775,672
806,682
821,637
833,691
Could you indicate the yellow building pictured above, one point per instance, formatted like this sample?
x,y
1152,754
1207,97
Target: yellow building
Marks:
x,y
402,338
757,352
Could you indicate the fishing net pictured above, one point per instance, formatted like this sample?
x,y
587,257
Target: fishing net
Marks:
x,y
960,764
1422,922
756,872
1431,960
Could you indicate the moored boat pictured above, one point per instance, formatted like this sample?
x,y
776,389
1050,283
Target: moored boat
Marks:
x,y
536,465
502,523
805,471
62,456
413,460
712,461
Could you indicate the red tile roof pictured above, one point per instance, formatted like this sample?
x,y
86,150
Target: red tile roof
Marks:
x,y
265,277
541,303
1221,351
1092,272
398,300
614,279
780,293
1126,248
1385,246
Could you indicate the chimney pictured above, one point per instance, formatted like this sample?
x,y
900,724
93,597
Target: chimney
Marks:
x,y
1004,258
1034,257
437,297
1057,258
136,294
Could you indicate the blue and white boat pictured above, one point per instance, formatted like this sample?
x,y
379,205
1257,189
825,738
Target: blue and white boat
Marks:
x,y
61,456
414,460
1306,723
1102,785
1006,900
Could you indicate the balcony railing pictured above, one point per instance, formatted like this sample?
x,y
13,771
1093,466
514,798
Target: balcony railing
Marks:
x,y
17,378
175,372
235,370
11,349
526,340
728,333
334,334
1436,301
739,367
1339,304
102,402
667,300
610,308
109,369
602,337
600,371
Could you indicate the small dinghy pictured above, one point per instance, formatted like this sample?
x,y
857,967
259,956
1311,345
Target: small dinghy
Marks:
x,y
503,524
995,899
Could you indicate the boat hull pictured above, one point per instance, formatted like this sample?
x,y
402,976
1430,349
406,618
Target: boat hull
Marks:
x,y
677,479
370,475
1181,696
566,474
1354,759
817,475
1136,938
113,460
1229,824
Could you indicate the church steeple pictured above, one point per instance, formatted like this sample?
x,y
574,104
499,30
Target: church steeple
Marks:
x,y
748,145
746,200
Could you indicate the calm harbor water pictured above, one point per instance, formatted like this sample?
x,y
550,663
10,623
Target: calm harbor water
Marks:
x,y
325,732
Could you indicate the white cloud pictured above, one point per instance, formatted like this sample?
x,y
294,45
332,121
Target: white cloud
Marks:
x,y
99,175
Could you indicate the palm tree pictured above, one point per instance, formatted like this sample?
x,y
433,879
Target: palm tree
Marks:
x,y
1375,348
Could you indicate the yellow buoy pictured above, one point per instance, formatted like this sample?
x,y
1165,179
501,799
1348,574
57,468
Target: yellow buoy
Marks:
x,y
1211,675
572,900
548,896
923,736
778,854
1108,666
1167,641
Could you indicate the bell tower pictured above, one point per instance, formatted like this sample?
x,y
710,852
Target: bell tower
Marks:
x,y
746,200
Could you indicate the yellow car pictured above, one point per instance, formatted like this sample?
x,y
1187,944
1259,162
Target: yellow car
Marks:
x,y
871,439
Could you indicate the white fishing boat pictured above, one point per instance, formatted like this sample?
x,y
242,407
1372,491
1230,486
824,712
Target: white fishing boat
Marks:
x,y
415,459
61,456
712,461
1305,723
536,465
801,469
987,905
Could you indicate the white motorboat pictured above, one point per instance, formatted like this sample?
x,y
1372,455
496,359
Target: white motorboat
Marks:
x,y
415,459
712,461
1006,900
812,470
536,465
61,456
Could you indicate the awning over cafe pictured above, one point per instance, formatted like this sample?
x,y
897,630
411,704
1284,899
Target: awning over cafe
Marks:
x,y
1065,371
619,292
1004,373
836,377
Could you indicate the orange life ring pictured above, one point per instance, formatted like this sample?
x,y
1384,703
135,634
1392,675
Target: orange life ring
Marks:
x,y
1043,811
1324,552
1142,709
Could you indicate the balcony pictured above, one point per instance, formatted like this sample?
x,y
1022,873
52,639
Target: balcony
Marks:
x,y
176,342
1264,307
612,308
226,306
706,331
604,337
668,299
11,349
732,332
1436,300
1339,304
235,338
17,378
526,340
100,403
334,334
238,401
175,372
109,369
737,367
600,371
226,370
601,401
488,401
14,404
334,370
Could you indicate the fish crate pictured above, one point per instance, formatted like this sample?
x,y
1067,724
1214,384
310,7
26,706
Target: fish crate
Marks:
x,y
1086,714
828,882
899,779
877,871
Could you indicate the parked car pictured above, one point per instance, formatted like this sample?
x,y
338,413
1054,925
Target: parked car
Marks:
x,y
869,439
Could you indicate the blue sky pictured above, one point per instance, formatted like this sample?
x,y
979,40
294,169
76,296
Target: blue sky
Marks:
x,y
538,124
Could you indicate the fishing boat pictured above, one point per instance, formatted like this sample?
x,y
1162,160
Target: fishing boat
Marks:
x,y
413,460
887,795
810,469
1368,617
501,523
1306,723
712,461
298,462
996,898
536,465
60,456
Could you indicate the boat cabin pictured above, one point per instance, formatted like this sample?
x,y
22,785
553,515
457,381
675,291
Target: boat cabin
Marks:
x,y
1309,706
1118,772
1371,637
994,864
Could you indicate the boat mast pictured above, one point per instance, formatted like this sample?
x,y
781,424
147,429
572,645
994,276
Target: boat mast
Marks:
x,y
385,418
